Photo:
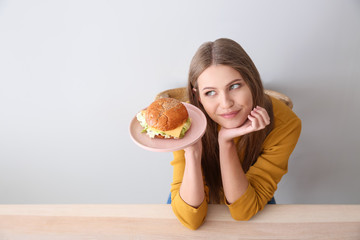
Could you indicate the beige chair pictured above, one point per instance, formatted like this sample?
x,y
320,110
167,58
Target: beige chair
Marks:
x,y
181,94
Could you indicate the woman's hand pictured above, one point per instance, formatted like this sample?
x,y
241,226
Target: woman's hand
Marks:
x,y
257,119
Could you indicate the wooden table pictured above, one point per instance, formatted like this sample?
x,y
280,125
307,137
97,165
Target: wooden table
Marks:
x,y
123,221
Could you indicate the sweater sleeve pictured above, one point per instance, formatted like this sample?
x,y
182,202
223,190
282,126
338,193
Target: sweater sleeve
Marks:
x,y
189,216
268,170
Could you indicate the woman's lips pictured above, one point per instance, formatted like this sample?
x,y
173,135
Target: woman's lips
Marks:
x,y
229,115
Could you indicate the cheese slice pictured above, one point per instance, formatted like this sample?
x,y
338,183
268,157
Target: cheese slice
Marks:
x,y
174,132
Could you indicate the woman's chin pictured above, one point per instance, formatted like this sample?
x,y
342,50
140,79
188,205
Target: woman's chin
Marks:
x,y
231,124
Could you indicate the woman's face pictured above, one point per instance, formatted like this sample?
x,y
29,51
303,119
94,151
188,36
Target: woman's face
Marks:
x,y
225,96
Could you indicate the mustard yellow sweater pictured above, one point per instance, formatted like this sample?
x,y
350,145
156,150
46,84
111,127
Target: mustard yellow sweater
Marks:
x,y
263,176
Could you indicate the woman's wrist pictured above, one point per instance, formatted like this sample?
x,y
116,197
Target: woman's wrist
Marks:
x,y
192,157
225,143
226,150
193,153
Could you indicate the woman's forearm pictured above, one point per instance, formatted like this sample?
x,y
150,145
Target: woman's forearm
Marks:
x,y
192,187
233,177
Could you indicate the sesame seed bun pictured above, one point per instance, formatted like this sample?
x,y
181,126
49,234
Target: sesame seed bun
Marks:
x,y
166,114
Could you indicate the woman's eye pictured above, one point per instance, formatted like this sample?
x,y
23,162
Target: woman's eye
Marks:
x,y
234,86
210,93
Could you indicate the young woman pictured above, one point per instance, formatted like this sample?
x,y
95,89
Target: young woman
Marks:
x,y
247,143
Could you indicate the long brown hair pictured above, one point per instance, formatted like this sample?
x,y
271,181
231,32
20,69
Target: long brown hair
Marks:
x,y
227,52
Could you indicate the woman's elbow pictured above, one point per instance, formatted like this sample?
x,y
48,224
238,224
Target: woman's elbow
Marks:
x,y
193,225
241,217
242,214
190,220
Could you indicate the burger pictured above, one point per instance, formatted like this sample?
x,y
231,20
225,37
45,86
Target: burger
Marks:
x,y
165,118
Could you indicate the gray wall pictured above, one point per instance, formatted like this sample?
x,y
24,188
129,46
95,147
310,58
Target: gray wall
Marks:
x,y
74,73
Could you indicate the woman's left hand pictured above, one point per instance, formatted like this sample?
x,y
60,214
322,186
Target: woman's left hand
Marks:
x,y
257,119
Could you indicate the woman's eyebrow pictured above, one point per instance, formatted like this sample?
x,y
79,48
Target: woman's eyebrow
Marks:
x,y
230,83
233,81
206,88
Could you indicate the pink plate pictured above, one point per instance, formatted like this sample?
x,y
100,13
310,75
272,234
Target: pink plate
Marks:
x,y
196,131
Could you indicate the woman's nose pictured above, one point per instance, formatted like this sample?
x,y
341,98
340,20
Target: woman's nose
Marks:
x,y
226,101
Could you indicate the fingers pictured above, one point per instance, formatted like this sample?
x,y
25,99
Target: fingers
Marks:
x,y
264,114
259,118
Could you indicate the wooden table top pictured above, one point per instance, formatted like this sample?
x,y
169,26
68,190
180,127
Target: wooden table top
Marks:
x,y
157,221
